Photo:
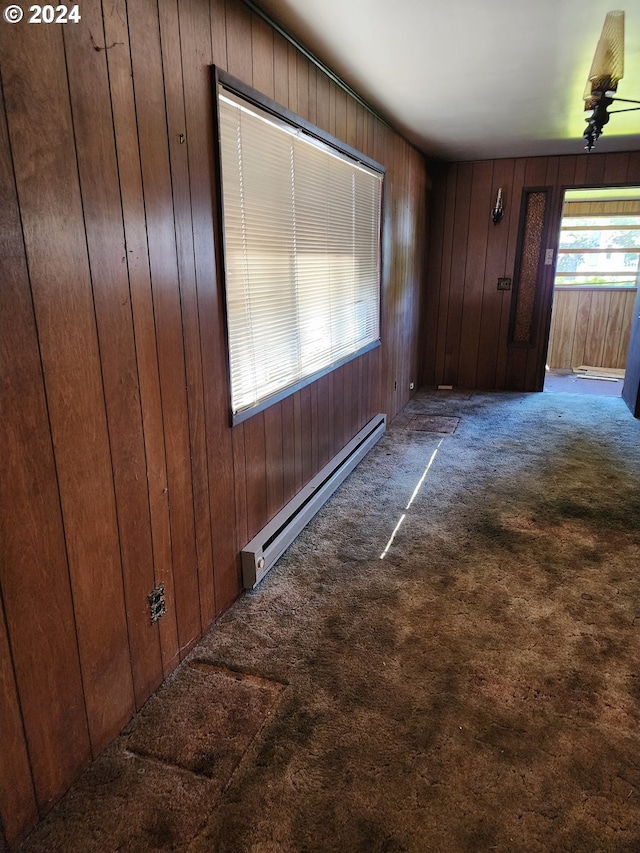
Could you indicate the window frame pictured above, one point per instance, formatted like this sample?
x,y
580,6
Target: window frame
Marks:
x,y
221,78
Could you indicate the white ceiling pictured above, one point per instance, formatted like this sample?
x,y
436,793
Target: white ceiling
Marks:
x,y
472,79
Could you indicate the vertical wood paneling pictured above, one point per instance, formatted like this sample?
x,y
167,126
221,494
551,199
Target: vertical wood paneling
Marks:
x,y
306,435
218,32
323,421
34,580
473,287
596,333
466,257
117,451
302,79
97,167
339,428
594,173
240,486
588,325
298,440
554,340
440,212
552,171
315,438
158,200
580,174
280,70
391,376
536,171
274,459
421,254
332,108
539,172
512,217
552,329
313,94
361,398
627,322
19,811
197,54
43,146
322,103
361,142
402,265
292,72
350,400
288,449
386,371
567,171
238,29
613,330
458,271
561,345
262,56
255,473
615,168
340,109
351,134
116,32
196,34
493,299
581,328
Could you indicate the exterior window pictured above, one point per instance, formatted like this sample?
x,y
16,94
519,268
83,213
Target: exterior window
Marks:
x,y
601,251
301,223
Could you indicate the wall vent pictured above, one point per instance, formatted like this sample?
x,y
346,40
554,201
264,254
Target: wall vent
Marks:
x,y
260,554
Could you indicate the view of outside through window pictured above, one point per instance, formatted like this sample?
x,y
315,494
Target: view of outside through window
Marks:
x,y
599,251
302,253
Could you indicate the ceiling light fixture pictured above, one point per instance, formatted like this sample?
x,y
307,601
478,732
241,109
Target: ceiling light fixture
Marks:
x,y
606,72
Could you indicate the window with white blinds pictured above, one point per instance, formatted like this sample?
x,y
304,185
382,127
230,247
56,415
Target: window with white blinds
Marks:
x,y
302,254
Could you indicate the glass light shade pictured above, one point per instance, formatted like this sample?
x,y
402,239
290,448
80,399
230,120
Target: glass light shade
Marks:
x,y
607,68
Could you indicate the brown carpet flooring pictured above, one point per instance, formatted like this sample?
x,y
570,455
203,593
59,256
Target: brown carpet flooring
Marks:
x,y
445,660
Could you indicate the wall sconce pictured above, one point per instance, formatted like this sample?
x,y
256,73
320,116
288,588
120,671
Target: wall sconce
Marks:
x,y
497,212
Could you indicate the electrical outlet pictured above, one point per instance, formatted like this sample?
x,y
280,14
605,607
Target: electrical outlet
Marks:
x,y
504,284
157,603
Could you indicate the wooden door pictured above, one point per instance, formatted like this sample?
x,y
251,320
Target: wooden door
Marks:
x,y
532,292
631,387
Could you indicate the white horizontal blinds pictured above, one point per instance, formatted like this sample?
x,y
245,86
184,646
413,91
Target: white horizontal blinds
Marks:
x,y
258,249
302,230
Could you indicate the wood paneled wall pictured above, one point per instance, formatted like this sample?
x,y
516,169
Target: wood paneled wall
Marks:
x,y
119,469
590,327
466,317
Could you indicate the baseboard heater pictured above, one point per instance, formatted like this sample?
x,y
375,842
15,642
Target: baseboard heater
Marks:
x,y
263,550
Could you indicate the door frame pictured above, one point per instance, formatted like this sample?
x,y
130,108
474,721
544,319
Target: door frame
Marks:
x,y
546,283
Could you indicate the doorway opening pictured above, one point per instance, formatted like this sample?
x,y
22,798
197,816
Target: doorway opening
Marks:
x,y
595,286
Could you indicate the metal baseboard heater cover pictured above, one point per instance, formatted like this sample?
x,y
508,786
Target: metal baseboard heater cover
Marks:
x,y
261,553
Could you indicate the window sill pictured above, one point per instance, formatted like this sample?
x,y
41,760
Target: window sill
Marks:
x,y
609,288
